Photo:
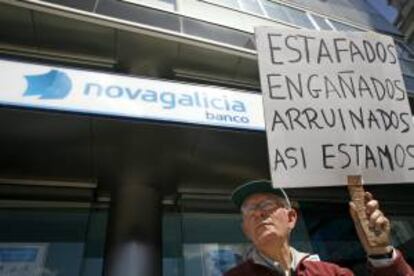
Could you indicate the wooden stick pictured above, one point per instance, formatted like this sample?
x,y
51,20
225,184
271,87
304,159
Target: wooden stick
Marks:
x,y
357,193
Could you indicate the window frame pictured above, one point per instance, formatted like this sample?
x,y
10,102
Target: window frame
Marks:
x,y
265,14
259,4
154,6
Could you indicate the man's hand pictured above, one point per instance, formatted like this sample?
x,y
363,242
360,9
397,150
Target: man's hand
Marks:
x,y
378,223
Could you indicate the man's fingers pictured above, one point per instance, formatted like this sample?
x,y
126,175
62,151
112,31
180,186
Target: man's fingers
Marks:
x,y
368,196
373,218
381,224
377,223
371,206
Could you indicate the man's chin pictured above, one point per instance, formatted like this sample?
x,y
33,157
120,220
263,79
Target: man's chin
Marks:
x,y
267,237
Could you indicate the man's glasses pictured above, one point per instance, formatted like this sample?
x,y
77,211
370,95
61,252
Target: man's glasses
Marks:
x,y
266,206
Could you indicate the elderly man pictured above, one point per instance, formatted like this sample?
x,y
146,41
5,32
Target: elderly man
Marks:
x,y
268,220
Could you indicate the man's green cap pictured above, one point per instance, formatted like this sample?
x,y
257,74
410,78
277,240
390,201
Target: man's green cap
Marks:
x,y
242,192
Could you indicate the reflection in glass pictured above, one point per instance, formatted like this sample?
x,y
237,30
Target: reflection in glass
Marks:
x,y
52,242
251,6
207,244
211,259
161,4
216,33
299,17
407,67
228,3
344,27
323,25
403,51
275,11
287,14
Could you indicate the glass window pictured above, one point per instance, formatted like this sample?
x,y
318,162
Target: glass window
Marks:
x,y
208,244
333,235
217,33
407,67
204,250
228,3
93,261
275,11
323,25
403,51
343,27
172,245
382,24
409,84
287,14
40,241
141,14
251,6
298,17
162,4
402,233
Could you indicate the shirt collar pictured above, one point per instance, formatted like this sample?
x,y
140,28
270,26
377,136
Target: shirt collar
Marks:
x,y
297,256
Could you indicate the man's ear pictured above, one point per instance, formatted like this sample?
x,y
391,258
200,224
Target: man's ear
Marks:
x,y
292,218
245,231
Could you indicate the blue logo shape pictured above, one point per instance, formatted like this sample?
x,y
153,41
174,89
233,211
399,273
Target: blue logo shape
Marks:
x,y
222,260
52,85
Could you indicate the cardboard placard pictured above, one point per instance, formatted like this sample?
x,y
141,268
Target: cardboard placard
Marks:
x,y
335,104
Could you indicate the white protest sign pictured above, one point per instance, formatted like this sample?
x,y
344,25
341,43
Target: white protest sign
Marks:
x,y
335,104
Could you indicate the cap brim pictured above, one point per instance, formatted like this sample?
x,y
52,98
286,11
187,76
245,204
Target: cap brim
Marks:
x,y
241,193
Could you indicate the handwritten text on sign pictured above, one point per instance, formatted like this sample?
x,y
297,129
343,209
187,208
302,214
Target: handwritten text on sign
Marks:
x,y
335,105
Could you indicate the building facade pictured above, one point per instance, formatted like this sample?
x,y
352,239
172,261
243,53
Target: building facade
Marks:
x,y
405,20
98,185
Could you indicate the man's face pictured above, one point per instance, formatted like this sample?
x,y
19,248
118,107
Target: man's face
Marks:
x,y
266,220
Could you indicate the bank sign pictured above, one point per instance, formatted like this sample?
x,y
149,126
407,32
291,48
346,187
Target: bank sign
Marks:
x,y
56,88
